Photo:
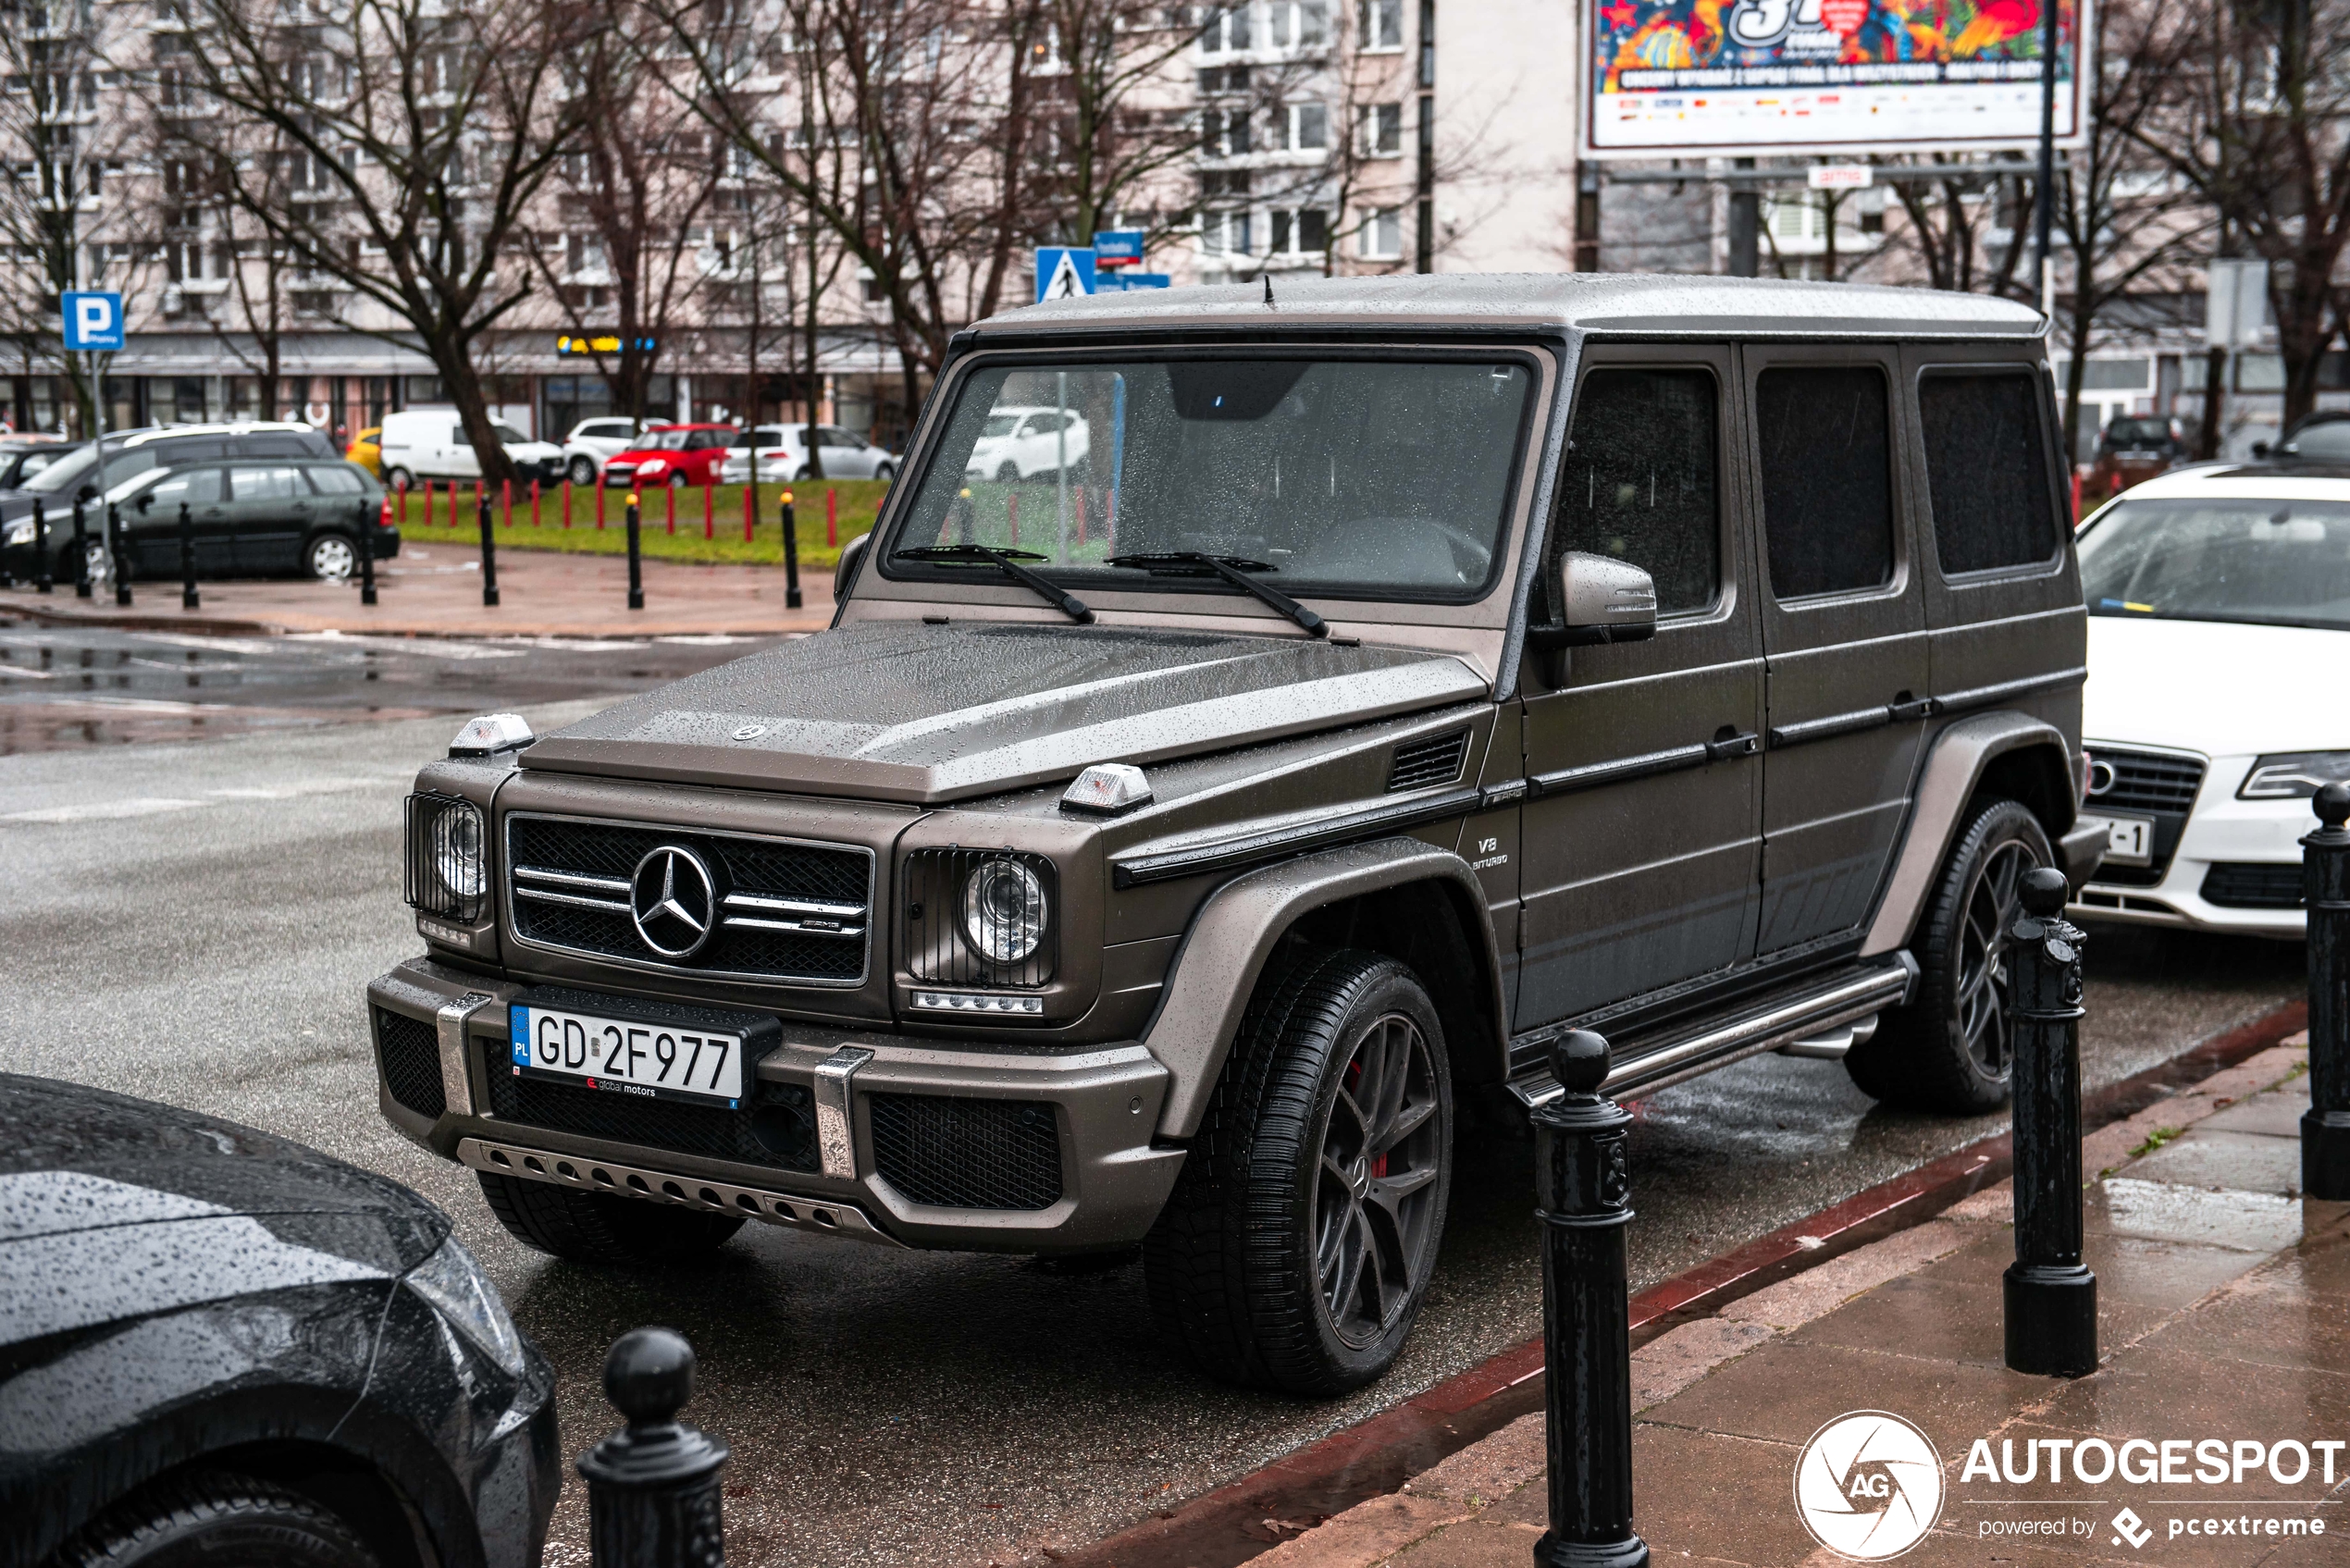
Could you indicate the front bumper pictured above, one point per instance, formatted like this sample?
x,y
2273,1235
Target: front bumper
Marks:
x,y
1103,1104
2225,846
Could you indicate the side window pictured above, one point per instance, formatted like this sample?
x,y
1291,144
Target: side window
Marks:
x,y
199,487
265,484
336,482
1986,468
1641,479
1826,452
286,445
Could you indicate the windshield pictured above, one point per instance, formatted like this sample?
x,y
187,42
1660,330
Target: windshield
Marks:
x,y
2287,563
2137,432
1349,477
664,440
508,436
71,472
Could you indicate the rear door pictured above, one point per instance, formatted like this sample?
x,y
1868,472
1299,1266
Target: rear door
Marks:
x,y
1640,848
1843,632
271,506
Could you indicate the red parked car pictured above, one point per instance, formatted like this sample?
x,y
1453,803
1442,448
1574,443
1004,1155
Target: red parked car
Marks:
x,y
672,454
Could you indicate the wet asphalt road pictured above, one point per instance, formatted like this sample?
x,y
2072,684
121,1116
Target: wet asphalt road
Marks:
x,y
195,923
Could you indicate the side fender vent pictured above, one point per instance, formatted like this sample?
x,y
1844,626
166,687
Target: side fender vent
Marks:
x,y
1435,760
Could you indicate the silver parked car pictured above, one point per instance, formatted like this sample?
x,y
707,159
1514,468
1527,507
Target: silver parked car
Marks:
x,y
783,454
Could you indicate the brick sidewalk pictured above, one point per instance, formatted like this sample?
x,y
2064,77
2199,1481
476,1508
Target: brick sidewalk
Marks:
x,y
2224,1300
433,589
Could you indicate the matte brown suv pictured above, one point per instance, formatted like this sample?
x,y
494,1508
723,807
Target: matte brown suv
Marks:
x,y
1160,846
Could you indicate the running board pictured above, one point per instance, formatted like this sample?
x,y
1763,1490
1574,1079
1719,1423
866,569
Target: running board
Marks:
x,y
1801,1011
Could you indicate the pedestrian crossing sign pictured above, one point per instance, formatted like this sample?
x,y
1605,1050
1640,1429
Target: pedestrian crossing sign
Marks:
x,y
1063,272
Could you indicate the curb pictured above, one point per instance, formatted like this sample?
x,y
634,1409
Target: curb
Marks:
x,y
1377,1456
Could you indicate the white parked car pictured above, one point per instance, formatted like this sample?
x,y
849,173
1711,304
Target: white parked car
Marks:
x,y
429,443
783,455
594,441
1020,443
2220,628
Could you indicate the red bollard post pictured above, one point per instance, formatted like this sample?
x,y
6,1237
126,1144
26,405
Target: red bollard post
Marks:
x,y
600,506
751,510
832,517
533,503
506,503
710,511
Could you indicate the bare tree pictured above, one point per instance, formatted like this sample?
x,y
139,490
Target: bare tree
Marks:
x,y
2265,137
414,139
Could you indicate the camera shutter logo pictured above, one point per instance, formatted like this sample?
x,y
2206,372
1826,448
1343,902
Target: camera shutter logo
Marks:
x,y
674,900
1868,1486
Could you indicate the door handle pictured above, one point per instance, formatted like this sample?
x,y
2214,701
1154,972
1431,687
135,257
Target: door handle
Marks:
x,y
1904,708
1727,743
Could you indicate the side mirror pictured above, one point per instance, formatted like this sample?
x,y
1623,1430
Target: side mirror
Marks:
x,y
1604,601
2260,449
147,502
846,572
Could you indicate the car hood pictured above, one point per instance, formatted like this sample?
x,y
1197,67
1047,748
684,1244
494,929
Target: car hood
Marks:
x,y
80,1160
907,711
2216,687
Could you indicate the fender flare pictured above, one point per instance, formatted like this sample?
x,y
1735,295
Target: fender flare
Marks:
x,y
1960,755
1223,954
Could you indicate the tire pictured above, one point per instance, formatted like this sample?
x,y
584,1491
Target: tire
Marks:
x,y
599,1229
1007,473
204,1517
1294,1254
677,481
582,471
1950,1050
400,479
886,473
330,557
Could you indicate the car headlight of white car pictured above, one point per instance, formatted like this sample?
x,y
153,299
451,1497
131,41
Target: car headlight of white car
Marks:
x,y
2293,775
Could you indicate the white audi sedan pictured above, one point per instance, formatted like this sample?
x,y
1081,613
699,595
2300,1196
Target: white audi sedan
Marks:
x,y
2219,693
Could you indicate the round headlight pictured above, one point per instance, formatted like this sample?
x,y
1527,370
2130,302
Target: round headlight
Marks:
x,y
1004,911
456,851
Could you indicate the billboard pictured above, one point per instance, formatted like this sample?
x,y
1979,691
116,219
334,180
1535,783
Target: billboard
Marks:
x,y
1678,78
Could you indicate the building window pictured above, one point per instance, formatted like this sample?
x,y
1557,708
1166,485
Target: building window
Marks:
x,y
1224,132
1223,182
1297,24
1224,233
1380,24
1306,231
1228,29
1382,130
1383,234
1309,128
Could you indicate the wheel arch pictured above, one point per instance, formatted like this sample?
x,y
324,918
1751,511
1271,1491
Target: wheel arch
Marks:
x,y
2009,754
1415,903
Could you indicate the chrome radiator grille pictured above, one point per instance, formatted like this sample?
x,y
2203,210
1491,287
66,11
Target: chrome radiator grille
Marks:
x,y
762,909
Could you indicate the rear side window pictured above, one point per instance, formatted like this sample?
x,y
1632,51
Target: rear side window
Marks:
x,y
1986,467
282,444
267,483
1827,486
1641,481
336,482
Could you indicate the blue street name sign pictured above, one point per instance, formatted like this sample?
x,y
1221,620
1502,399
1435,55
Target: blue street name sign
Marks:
x,y
1118,247
1128,281
94,321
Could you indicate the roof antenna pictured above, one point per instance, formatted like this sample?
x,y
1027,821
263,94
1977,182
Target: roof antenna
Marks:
x,y
1268,288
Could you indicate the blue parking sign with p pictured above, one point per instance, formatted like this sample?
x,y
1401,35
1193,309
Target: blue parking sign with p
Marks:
x,y
94,321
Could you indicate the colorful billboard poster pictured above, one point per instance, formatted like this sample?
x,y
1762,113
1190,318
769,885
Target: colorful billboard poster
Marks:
x,y
1677,79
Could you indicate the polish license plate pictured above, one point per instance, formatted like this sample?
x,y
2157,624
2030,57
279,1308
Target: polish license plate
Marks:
x,y
2129,841
627,1057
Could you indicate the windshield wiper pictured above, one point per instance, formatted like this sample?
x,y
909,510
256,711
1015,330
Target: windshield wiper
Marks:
x,y
1009,562
1233,569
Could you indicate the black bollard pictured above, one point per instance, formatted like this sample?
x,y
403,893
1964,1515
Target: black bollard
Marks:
x,y
2051,1299
1582,1188
43,575
652,1487
367,518
120,547
188,600
489,554
2325,886
791,556
636,566
81,552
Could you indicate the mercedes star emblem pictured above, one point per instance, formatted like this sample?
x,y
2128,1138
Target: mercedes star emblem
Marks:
x,y
673,901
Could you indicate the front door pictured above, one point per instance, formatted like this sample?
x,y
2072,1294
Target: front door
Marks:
x,y
272,506
1844,634
1639,850
155,535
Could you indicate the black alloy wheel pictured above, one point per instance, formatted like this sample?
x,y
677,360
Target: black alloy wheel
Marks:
x,y
1952,1048
1298,1245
